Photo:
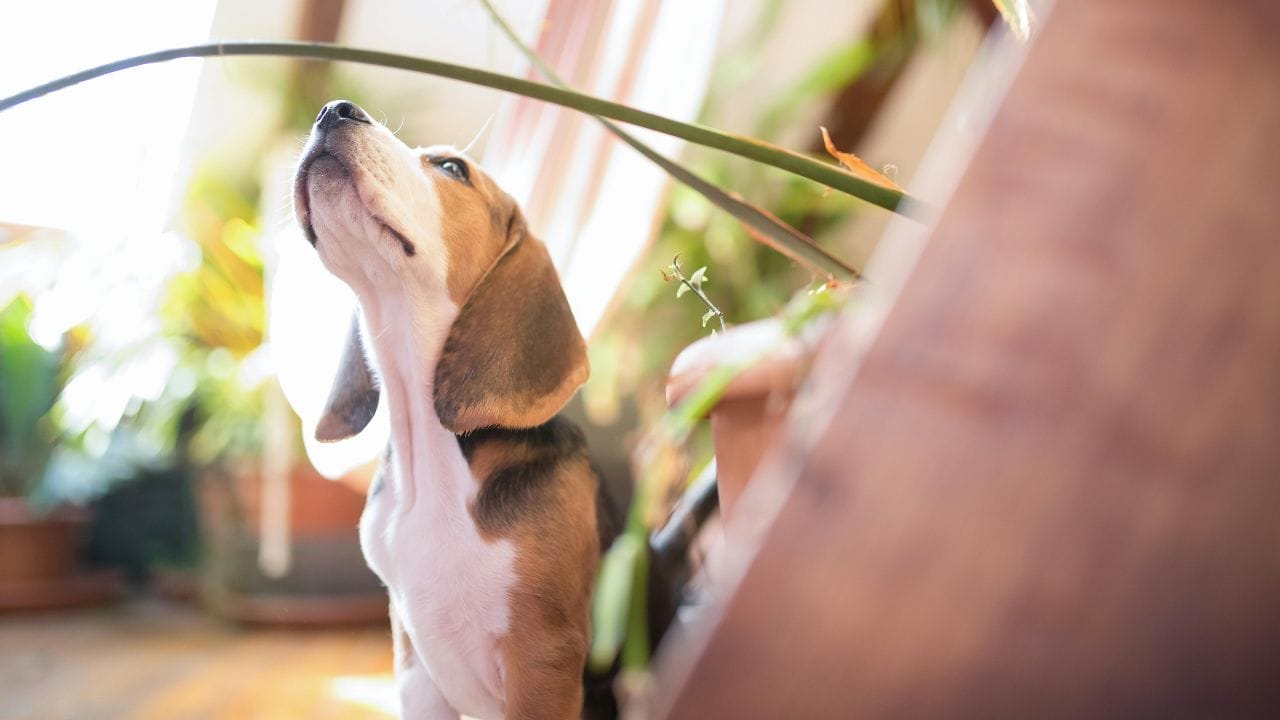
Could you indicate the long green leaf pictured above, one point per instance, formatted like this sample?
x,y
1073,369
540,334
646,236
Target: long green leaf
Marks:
x,y
757,150
611,610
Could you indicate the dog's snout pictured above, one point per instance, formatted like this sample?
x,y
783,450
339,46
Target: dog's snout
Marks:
x,y
338,111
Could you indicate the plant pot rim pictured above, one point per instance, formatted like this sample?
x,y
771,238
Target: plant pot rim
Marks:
x,y
776,360
86,587
18,511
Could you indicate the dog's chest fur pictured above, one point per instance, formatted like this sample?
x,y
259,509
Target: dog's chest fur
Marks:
x,y
449,585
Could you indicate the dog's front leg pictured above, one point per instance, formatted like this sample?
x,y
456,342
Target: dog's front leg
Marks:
x,y
420,699
543,676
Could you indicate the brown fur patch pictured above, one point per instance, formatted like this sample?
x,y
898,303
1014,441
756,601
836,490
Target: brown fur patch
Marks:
x,y
558,556
514,355
473,224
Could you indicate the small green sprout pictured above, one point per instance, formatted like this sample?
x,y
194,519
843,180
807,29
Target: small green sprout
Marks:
x,y
693,284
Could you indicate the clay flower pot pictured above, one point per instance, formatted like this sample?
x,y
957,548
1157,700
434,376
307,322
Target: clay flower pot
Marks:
x,y
326,581
752,408
39,559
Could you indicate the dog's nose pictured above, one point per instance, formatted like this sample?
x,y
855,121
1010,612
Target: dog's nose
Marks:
x,y
338,111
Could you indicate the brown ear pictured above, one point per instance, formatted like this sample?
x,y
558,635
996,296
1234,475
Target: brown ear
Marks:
x,y
354,396
514,355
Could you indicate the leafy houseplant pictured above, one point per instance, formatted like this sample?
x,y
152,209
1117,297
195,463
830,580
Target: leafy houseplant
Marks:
x,y
29,386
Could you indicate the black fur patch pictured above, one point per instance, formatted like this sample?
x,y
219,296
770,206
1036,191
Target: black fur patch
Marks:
x,y
521,489
359,408
353,399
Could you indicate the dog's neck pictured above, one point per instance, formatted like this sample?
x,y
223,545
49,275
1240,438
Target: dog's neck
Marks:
x,y
406,335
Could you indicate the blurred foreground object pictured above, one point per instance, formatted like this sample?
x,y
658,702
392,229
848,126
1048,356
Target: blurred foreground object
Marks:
x,y
1048,484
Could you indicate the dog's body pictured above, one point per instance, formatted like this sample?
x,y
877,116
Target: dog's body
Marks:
x,y
485,521
486,593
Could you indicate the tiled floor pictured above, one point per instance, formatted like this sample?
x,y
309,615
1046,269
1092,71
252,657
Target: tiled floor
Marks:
x,y
155,659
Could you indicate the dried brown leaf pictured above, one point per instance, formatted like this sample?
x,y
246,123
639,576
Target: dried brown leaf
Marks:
x,y
855,165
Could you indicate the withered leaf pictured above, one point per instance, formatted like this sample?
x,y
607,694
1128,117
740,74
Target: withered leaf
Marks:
x,y
855,165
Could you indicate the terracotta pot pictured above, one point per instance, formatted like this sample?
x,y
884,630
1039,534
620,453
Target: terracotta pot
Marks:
x,y
34,548
39,565
317,506
327,581
749,413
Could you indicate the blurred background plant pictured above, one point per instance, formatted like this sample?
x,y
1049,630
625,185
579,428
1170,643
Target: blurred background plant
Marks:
x,y
122,412
127,425
215,314
55,448
31,378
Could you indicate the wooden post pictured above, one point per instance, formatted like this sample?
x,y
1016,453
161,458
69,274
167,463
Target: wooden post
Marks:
x,y
1053,488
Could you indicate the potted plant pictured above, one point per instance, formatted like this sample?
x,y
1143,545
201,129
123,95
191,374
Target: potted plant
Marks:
x,y
40,537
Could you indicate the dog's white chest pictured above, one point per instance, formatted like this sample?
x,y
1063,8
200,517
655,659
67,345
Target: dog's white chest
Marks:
x,y
450,585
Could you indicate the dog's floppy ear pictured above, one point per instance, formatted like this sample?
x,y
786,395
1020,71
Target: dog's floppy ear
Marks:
x,y
354,396
514,355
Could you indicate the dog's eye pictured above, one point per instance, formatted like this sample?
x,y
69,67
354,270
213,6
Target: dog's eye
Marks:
x,y
456,168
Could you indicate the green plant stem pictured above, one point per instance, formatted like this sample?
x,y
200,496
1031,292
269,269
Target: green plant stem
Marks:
x,y
696,290
637,648
757,150
763,226
705,301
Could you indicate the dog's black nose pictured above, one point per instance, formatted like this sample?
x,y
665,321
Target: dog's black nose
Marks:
x,y
339,110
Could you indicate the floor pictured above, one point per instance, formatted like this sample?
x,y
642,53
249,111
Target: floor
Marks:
x,y
159,659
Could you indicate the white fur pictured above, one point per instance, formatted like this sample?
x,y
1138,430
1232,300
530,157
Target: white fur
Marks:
x,y
448,586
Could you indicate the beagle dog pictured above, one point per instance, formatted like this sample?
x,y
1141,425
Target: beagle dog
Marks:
x,y
486,520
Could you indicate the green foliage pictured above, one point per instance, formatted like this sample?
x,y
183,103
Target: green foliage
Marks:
x,y
41,459
220,303
839,68
30,380
216,314
614,589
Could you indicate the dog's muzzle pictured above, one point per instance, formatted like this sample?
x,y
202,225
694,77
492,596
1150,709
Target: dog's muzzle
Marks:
x,y
331,118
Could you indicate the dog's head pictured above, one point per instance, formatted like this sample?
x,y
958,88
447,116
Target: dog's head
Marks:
x,y
435,250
